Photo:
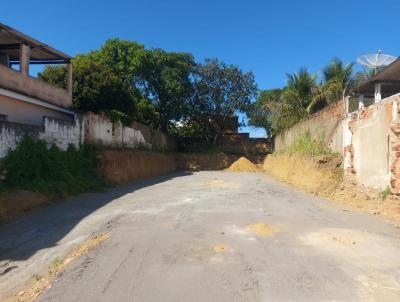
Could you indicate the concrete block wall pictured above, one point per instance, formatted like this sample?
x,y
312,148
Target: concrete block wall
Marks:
x,y
367,149
326,123
368,139
12,133
61,132
89,128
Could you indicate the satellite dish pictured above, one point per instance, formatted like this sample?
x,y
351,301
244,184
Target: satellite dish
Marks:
x,y
376,61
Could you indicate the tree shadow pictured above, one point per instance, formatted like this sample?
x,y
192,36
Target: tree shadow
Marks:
x,y
45,227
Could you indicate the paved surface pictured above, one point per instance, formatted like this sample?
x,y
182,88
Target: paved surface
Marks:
x,y
187,238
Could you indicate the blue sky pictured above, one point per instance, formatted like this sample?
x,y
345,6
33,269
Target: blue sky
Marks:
x,y
270,38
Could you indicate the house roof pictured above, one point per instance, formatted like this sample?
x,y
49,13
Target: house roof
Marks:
x,y
11,39
389,77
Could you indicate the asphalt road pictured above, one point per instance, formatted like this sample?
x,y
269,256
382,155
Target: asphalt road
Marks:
x,y
220,236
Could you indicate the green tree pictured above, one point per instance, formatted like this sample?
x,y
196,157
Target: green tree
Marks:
x,y
338,79
165,78
299,93
124,57
262,111
221,90
95,86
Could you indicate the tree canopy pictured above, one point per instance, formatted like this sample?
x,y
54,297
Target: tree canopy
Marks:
x,y
278,109
156,87
220,91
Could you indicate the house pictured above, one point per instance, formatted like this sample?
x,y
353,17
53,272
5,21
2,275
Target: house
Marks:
x,y
23,98
384,84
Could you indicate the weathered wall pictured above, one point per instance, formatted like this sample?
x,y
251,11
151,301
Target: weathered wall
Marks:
x,y
368,139
89,128
99,130
369,143
62,132
12,133
326,123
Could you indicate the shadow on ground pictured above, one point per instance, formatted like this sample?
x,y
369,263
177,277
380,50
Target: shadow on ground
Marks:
x,y
47,226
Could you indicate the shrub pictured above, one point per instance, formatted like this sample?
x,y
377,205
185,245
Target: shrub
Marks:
x,y
306,145
35,166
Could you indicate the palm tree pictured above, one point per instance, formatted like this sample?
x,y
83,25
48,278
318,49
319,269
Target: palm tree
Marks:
x,y
338,79
300,89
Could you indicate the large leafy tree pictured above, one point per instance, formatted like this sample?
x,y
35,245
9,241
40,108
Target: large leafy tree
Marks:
x,y
221,90
95,86
124,57
165,78
262,111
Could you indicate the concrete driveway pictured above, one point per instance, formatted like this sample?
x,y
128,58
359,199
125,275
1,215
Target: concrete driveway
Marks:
x,y
208,236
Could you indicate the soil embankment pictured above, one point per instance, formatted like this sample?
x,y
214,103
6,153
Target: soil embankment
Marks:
x,y
314,174
323,176
118,167
123,166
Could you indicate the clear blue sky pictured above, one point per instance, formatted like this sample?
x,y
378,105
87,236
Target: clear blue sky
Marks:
x,y
270,38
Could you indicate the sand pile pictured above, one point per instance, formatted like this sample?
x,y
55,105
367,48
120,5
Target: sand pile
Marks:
x,y
261,229
243,165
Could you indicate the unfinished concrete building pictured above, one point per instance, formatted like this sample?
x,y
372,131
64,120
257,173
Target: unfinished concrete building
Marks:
x,y
23,98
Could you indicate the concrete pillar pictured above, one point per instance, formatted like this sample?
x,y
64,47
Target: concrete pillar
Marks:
x,y
360,101
378,93
24,59
346,104
69,79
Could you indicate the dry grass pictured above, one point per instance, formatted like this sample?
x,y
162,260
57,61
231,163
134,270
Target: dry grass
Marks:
x,y
313,174
323,176
57,266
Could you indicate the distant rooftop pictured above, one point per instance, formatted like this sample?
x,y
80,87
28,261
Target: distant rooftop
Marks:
x,y
11,39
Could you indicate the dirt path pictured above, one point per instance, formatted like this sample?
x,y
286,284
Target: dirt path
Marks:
x,y
210,236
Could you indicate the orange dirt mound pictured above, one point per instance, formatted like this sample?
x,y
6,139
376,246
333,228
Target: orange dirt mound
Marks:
x,y
243,165
261,229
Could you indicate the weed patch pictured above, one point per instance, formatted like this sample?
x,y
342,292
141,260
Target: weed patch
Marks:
x,y
307,145
34,166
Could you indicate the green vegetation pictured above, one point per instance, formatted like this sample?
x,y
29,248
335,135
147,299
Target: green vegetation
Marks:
x,y
308,146
276,110
384,194
166,90
35,166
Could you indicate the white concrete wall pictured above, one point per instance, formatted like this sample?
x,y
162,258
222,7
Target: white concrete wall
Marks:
x,y
368,144
103,132
10,137
89,128
62,133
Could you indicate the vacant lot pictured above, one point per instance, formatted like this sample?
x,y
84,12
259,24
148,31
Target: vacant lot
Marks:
x,y
208,236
